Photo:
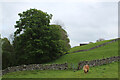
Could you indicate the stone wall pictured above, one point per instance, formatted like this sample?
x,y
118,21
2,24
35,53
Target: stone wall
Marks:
x,y
98,62
97,46
36,67
64,66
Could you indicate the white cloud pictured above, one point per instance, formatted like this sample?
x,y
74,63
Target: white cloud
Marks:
x,y
59,1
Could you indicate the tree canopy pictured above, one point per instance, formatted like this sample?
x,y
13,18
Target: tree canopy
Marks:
x,y
7,53
32,18
38,41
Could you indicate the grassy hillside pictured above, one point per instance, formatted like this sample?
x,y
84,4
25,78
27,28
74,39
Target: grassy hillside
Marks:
x,y
108,50
87,46
104,71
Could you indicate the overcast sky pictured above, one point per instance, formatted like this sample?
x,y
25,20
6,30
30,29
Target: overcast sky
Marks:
x,y
84,21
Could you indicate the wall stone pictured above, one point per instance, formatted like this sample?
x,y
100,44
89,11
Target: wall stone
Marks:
x,y
64,66
98,62
36,67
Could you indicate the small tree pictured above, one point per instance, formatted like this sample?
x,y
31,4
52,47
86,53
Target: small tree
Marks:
x,y
0,44
7,54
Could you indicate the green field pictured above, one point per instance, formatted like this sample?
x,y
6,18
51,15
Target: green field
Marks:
x,y
104,71
108,50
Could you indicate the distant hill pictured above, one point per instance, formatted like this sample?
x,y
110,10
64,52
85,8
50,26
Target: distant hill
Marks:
x,y
88,46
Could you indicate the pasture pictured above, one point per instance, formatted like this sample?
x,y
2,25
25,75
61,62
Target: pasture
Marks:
x,y
104,71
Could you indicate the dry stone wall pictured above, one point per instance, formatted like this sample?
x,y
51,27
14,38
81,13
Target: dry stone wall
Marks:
x,y
98,62
36,67
64,66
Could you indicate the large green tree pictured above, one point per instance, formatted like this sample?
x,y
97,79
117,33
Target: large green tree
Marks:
x,y
39,42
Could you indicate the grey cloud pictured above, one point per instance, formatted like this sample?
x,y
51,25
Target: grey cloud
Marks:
x,y
84,22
